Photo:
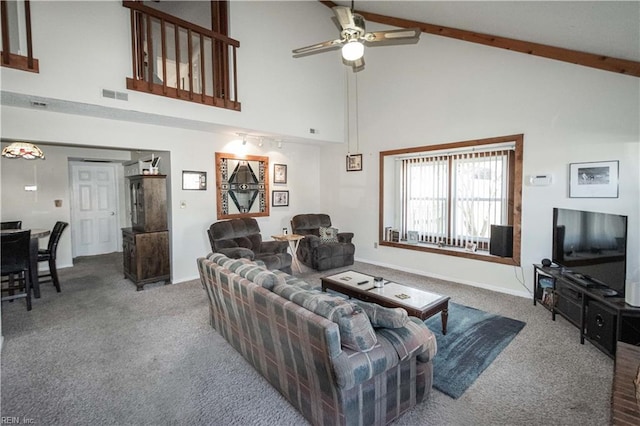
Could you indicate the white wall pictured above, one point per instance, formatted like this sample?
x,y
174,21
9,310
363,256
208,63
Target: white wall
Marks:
x,y
189,150
85,46
438,91
51,176
444,90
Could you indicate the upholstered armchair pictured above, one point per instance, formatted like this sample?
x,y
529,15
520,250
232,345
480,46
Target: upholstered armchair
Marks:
x,y
323,246
240,238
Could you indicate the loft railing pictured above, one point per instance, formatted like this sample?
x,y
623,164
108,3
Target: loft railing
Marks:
x,y
181,60
16,34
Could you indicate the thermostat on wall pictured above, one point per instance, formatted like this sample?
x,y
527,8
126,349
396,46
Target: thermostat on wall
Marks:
x,y
540,180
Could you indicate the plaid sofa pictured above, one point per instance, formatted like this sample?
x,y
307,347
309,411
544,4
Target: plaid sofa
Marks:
x,y
314,348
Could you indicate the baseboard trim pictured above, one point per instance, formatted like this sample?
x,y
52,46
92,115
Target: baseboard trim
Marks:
x,y
485,286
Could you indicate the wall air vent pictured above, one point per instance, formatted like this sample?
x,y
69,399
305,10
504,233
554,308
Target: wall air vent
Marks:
x,y
112,94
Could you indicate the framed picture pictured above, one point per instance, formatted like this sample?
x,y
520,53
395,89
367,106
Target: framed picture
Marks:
x,y
242,185
279,198
593,180
194,180
412,237
279,173
354,162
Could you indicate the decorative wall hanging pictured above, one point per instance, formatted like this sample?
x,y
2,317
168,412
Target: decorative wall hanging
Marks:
x,y
593,180
279,173
354,162
280,198
194,180
242,185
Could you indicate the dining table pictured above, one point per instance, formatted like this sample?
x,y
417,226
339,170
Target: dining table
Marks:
x,y
36,234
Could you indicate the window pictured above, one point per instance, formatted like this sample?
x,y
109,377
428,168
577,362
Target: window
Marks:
x,y
446,197
17,49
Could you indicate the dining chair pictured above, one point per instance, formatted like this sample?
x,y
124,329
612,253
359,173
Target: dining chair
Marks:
x,y
49,255
15,264
16,224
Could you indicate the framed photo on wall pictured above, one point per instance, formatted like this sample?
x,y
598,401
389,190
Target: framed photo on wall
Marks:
x,y
354,162
194,180
279,198
279,173
593,180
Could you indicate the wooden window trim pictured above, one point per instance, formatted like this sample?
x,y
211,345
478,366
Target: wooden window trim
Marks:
x,y
515,201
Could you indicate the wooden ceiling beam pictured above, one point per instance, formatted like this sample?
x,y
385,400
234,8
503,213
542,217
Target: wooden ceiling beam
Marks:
x,y
602,62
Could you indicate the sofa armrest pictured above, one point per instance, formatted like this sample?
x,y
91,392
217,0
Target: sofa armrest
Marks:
x,y
237,253
394,345
345,237
274,247
414,339
352,368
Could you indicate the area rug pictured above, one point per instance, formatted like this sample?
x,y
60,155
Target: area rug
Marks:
x,y
474,339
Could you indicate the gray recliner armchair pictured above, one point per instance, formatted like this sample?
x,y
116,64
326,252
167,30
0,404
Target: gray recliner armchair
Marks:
x,y
237,238
322,249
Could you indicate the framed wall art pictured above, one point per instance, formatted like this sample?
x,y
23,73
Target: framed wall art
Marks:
x,y
280,198
242,185
194,180
279,173
354,162
412,237
593,180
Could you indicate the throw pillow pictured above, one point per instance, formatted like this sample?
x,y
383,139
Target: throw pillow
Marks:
x,y
381,316
356,332
329,235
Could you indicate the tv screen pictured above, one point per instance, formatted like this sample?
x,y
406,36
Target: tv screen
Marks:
x,y
593,245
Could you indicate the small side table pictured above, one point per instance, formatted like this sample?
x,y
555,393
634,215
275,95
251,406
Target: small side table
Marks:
x,y
294,240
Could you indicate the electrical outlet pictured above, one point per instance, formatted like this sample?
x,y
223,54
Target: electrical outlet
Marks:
x,y
375,245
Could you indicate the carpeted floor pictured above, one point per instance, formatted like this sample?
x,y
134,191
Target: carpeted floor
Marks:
x,y
101,353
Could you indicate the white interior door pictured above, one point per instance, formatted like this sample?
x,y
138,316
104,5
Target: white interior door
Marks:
x,y
94,210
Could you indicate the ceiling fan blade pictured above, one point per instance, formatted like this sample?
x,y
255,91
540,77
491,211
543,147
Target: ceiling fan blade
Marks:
x,y
344,17
403,35
316,48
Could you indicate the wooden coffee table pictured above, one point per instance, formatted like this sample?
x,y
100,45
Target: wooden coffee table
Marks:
x,y
417,303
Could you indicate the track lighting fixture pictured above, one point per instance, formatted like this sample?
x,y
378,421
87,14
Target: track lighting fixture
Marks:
x,y
260,140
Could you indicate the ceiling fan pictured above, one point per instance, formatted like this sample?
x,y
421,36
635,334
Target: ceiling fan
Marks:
x,y
353,38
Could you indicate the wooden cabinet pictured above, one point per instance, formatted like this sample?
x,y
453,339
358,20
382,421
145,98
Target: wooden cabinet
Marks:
x,y
146,243
146,256
148,202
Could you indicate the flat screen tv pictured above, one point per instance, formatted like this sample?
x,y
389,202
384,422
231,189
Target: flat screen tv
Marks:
x,y
592,247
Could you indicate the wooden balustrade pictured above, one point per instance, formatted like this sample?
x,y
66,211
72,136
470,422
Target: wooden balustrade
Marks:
x,y
178,59
8,58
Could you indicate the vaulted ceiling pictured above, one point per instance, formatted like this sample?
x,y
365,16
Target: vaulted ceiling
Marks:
x,y
601,34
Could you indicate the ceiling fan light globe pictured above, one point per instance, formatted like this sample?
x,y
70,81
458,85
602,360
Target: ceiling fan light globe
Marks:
x,y
353,50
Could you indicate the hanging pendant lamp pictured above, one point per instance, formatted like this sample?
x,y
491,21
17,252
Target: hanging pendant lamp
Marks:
x,y
25,150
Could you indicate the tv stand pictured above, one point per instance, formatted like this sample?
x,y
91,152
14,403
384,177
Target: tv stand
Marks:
x,y
581,279
602,318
